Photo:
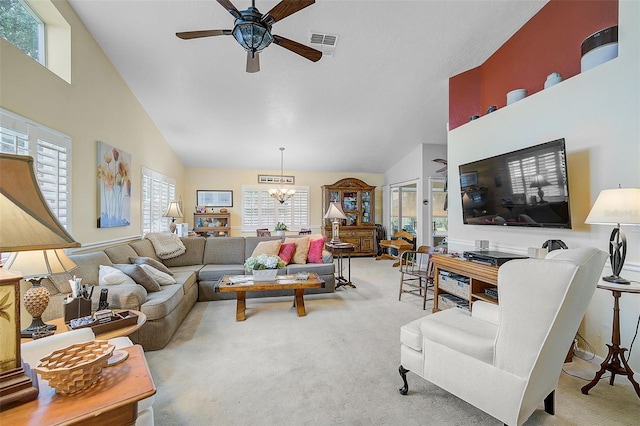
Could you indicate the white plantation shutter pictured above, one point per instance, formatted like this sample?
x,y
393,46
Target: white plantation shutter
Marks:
x,y
260,210
157,192
51,151
550,165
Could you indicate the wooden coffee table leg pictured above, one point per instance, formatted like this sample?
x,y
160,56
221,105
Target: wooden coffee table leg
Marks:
x,y
299,302
241,305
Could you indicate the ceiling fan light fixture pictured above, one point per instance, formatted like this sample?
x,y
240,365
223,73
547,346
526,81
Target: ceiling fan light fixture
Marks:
x,y
252,34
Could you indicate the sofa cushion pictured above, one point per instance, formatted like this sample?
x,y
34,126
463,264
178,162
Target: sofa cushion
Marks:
x,y
139,275
270,248
316,247
88,265
120,253
161,303
143,260
224,251
302,248
144,248
319,268
214,272
161,277
286,252
122,296
187,276
61,282
411,335
193,255
109,275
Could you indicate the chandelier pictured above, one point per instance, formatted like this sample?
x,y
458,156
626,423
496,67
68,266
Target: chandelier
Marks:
x,y
280,193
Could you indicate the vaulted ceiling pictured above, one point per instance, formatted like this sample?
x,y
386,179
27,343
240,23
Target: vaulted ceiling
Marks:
x,y
382,93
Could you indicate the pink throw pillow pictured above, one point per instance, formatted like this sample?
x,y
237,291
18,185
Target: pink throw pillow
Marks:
x,y
286,252
315,250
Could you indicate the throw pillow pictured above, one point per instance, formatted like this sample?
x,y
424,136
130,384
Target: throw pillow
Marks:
x,y
61,282
302,249
159,276
108,275
139,276
270,248
315,250
286,252
150,261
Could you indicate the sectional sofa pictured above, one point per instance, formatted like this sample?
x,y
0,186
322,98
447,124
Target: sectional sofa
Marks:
x,y
196,274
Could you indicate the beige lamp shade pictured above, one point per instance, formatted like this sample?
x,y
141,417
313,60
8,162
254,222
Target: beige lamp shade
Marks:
x,y
335,212
39,263
616,206
26,222
173,210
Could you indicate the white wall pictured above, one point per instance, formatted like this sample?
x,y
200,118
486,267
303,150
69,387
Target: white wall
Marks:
x,y
597,113
415,166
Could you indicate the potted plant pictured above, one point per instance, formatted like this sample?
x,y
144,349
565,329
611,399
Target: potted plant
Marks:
x,y
280,228
264,268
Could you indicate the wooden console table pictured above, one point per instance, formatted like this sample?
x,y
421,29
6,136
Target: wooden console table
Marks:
x,y
112,400
480,277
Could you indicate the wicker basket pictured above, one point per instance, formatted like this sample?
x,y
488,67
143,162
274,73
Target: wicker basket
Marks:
x,y
75,367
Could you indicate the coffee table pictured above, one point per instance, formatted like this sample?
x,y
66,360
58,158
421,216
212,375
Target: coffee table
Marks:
x,y
241,284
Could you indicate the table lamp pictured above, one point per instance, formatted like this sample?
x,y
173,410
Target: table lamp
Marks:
x,y
538,182
335,212
26,224
620,206
173,211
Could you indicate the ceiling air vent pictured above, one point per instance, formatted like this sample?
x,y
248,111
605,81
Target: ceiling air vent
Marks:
x,y
326,43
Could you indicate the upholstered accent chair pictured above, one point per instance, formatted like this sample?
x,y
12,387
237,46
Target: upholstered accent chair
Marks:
x,y
506,359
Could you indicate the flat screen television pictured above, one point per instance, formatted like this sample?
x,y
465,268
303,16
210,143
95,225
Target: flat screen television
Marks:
x,y
527,187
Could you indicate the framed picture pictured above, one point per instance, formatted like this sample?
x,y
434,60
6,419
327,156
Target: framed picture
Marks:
x,y
114,186
214,198
287,180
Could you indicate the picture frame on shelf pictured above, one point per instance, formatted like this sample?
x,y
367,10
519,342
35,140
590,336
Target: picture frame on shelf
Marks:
x,y
214,198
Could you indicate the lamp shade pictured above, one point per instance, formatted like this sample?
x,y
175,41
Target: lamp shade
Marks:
x,y
39,263
173,210
335,212
616,206
26,221
538,181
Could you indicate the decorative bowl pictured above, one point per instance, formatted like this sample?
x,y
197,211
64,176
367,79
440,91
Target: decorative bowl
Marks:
x,y
75,367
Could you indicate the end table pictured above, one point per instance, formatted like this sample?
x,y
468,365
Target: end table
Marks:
x,y
340,249
615,356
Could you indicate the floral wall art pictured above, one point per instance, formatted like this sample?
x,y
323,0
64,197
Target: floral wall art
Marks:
x,y
114,186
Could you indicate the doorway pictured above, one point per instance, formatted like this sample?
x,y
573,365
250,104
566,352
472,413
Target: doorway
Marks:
x,y
404,208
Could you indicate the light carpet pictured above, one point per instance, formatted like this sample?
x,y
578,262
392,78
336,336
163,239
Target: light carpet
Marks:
x,y
336,366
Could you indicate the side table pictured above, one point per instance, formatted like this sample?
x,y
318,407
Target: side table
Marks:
x,y
340,249
615,356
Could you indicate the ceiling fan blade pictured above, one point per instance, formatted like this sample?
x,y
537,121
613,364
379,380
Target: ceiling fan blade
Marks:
x,y
253,63
284,9
302,50
204,33
230,8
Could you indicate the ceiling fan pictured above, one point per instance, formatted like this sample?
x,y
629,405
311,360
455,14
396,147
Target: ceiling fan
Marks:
x,y
252,30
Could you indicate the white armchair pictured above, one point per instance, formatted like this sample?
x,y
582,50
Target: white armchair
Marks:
x,y
35,350
506,359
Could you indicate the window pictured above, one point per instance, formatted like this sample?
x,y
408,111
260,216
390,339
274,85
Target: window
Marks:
x,y
20,26
157,192
547,167
51,151
260,210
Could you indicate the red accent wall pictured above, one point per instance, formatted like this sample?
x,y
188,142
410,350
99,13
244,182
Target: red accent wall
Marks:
x,y
550,41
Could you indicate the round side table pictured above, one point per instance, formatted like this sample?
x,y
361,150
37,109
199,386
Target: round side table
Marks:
x,y
615,362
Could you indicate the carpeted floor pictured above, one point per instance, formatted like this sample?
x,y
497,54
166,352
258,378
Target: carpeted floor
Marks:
x,y
336,366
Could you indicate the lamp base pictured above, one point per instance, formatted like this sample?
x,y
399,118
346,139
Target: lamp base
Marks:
x,y
37,325
616,279
335,232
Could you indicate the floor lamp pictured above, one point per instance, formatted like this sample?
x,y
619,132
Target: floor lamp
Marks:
x,y
26,224
617,207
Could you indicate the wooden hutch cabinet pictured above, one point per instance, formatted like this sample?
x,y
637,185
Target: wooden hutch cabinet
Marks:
x,y
358,203
212,224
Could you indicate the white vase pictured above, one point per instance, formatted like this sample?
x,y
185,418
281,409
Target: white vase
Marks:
x,y
280,233
264,275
